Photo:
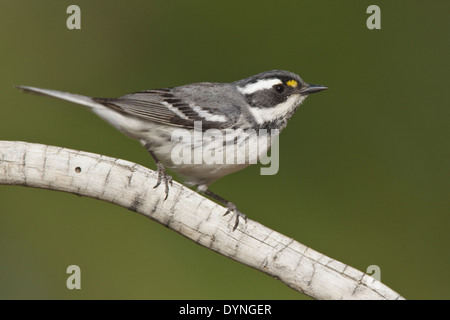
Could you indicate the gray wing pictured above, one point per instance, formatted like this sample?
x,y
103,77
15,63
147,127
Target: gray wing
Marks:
x,y
181,106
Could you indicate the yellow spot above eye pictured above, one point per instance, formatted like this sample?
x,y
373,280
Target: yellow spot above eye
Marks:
x,y
292,83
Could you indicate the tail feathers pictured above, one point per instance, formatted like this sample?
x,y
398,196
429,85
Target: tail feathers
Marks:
x,y
72,97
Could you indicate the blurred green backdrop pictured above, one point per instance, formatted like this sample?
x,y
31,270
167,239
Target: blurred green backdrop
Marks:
x,y
364,166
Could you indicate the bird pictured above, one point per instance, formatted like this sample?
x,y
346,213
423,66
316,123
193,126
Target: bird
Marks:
x,y
238,111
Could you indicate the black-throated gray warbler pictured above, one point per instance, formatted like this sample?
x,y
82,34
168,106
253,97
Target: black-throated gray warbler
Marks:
x,y
263,101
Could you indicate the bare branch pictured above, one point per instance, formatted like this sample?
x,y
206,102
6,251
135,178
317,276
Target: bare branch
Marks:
x,y
131,186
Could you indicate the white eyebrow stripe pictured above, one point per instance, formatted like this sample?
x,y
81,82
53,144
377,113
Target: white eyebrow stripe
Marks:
x,y
207,115
259,85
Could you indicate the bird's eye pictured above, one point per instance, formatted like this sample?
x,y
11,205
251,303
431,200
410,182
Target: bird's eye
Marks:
x,y
279,88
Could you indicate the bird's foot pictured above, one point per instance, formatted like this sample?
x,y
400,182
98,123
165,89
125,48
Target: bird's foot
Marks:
x,y
163,176
232,208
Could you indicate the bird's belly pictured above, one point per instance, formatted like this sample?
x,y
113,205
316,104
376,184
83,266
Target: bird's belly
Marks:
x,y
204,157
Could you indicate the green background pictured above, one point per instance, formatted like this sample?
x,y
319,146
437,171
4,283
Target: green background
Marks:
x,y
364,165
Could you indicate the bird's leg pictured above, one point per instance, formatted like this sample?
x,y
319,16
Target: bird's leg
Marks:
x,y
162,174
231,207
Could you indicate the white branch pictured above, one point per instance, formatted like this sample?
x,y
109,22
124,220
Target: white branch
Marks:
x,y
131,186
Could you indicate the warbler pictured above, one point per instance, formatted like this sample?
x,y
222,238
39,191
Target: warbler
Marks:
x,y
265,101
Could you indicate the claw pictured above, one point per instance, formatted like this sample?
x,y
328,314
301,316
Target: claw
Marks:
x,y
162,175
232,208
